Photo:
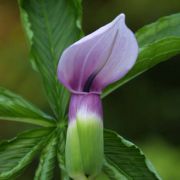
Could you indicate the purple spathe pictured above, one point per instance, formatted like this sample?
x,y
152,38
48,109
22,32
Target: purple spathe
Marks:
x,y
99,59
85,69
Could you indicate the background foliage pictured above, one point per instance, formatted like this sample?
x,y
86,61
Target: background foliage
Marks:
x,y
153,98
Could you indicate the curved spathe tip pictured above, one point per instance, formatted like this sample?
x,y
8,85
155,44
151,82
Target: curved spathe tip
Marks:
x,y
120,17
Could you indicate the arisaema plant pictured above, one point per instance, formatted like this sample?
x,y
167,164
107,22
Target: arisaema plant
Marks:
x,y
89,69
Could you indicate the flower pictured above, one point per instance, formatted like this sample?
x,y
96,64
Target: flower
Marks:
x,y
85,69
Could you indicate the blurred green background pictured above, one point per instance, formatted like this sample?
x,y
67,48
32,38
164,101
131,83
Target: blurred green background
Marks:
x,y
145,110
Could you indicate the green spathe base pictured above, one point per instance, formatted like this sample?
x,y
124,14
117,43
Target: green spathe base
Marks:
x,y
84,148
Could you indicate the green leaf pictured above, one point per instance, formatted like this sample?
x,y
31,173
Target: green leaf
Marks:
x,y
124,161
61,151
51,26
47,160
158,42
17,153
15,108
